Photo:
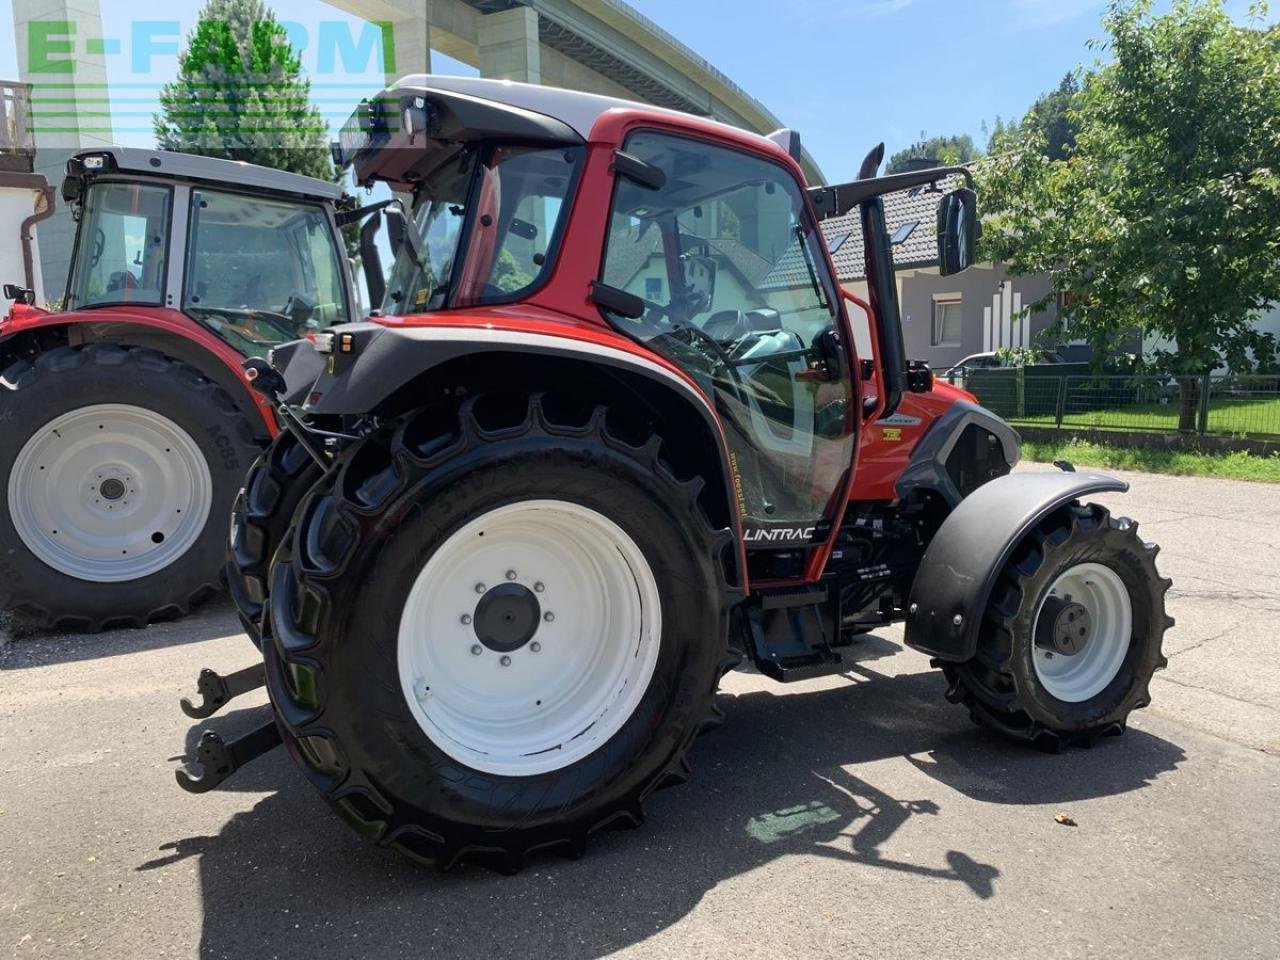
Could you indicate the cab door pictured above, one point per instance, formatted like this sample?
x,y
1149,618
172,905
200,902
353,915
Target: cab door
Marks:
x,y
737,291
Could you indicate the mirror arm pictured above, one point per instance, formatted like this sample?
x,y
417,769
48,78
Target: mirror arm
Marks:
x,y
356,214
836,201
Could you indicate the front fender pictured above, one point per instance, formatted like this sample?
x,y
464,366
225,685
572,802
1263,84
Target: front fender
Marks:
x,y
960,566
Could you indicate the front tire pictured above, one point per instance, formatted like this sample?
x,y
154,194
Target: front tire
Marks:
x,y
1072,633
118,467
403,665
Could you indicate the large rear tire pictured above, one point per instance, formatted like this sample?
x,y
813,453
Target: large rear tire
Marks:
x,y
1072,633
264,508
490,640
118,467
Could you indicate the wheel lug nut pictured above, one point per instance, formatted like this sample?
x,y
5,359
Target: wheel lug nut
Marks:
x,y
505,661
479,588
535,646
476,649
548,616
466,618
511,574
538,587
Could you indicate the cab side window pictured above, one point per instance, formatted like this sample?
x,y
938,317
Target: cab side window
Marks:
x,y
261,272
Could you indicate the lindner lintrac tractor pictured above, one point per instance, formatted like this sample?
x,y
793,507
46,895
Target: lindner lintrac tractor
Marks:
x,y
607,437
126,421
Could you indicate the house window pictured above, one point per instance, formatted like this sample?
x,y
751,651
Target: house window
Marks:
x,y
900,235
946,322
653,288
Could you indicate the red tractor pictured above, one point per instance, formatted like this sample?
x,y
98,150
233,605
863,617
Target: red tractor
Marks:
x,y
607,438
127,420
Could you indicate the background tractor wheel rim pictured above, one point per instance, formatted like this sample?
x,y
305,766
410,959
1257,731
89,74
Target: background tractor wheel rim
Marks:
x,y
521,703
1103,594
109,492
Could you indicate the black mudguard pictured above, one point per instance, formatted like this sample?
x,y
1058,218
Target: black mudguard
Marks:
x,y
960,566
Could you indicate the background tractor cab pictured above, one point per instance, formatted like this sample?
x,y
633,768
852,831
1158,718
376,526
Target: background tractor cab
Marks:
x,y
130,420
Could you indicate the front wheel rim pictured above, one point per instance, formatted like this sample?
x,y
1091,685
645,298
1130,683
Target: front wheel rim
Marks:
x,y
529,637
1100,591
109,492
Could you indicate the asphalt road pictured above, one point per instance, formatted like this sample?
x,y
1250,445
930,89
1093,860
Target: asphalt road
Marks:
x,y
858,815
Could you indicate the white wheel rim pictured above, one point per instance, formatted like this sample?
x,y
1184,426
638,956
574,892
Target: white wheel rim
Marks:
x,y
109,492
1077,677
568,687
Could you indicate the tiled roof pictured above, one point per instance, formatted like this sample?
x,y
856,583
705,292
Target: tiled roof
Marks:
x,y
919,249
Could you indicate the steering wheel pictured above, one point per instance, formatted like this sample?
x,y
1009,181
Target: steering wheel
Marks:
x,y
122,280
99,244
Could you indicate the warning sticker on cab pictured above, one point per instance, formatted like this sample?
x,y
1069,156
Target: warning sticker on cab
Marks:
x,y
891,433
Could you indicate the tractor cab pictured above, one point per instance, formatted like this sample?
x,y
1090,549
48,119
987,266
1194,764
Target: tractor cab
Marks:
x,y
251,254
712,258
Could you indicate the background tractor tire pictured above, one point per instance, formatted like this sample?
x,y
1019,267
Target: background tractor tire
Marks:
x,y
275,485
1037,693
118,467
398,516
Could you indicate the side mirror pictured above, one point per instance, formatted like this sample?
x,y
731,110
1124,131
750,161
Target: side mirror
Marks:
x,y
958,231
19,294
72,187
401,234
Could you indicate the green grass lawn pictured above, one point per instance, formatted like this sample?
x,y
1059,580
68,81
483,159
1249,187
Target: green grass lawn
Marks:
x,y
1237,465
1234,416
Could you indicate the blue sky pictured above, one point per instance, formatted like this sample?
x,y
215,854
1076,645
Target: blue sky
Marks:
x,y
850,73
845,73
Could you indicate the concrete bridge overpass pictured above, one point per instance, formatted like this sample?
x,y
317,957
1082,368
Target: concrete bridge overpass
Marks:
x,y
603,46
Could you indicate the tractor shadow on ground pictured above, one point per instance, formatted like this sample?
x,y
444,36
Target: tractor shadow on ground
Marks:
x,y
23,647
782,778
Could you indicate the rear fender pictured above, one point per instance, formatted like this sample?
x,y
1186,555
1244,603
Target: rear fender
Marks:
x,y
960,566
390,360
166,331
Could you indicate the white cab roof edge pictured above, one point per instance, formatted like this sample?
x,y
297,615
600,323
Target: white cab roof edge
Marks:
x,y
232,173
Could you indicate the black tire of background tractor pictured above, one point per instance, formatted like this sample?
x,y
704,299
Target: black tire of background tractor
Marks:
x,y
1000,685
264,508
68,378
342,575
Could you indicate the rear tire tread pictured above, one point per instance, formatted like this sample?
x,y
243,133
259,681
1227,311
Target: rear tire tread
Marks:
x,y
313,557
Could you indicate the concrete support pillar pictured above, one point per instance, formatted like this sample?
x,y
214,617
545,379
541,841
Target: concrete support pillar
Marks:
x,y
508,45
61,53
410,46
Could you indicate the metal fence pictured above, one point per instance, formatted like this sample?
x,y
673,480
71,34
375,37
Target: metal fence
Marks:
x,y
1224,405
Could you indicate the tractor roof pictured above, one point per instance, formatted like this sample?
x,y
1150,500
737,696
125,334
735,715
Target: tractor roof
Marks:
x,y
382,141
573,108
185,166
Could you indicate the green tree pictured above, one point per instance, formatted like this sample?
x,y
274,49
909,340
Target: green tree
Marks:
x,y
240,94
1051,116
1162,221
933,151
